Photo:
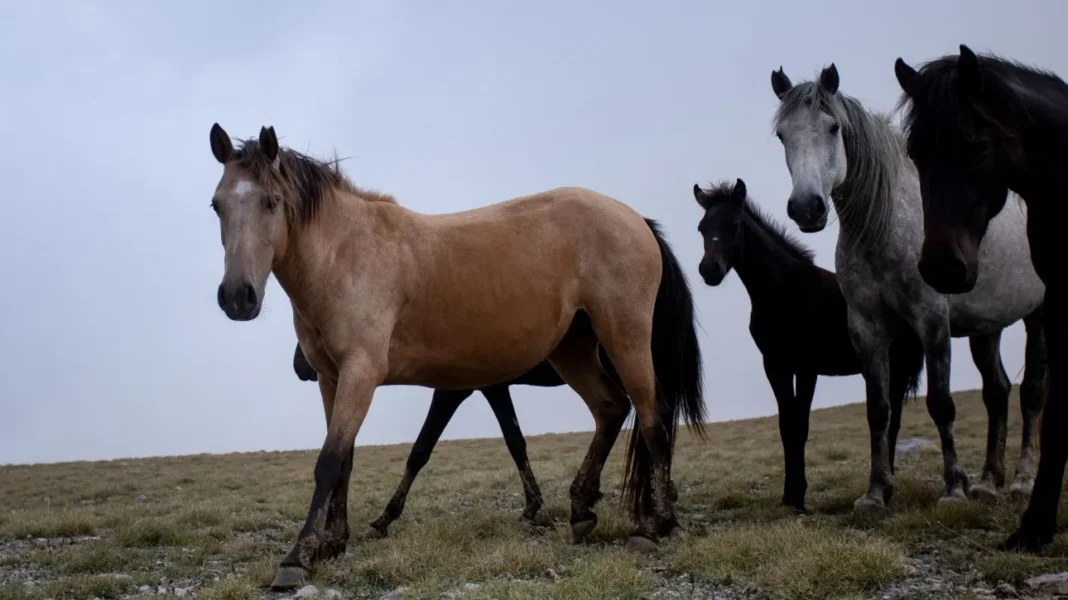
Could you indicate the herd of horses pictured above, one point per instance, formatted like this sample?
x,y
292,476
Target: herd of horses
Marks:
x,y
569,286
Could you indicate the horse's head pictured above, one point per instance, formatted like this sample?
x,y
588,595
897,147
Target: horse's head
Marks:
x,y
809,125
249,201
963,148
721,228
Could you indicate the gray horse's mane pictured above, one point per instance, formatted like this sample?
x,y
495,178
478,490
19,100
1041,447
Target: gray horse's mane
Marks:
x,y
875,152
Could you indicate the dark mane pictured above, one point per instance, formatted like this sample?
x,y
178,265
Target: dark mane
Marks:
x,y
1010,81
775,230
302,182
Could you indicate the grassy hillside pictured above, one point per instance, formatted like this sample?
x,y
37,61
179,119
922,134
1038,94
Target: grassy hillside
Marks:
x,y
215,526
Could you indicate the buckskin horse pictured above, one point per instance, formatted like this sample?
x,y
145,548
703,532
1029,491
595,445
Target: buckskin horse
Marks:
x,y
383,295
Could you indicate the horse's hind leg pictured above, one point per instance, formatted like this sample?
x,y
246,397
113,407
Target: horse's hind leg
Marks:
x,y
633,361
442,407
576,360
501,402
986,355
1032,397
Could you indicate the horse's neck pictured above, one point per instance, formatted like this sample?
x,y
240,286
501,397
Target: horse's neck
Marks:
x,y
1045,154
878,217
763,266
316,255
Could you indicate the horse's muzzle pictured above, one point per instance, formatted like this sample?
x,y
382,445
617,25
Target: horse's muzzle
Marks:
x,y
947,268
712,272
808,212
239,300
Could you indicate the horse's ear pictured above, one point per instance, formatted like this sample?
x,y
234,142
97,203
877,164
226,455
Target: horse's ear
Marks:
x,y
699,195
829,79
221,146
780,83
968,68
906,76
739,193
269,143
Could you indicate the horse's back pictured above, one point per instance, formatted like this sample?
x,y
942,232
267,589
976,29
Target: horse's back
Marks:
x,y
491,291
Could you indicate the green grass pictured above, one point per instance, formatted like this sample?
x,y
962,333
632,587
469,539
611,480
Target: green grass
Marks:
x,y
219,524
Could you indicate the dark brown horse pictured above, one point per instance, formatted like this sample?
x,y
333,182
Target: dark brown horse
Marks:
x,y
798,319
978,127
383,295
443,406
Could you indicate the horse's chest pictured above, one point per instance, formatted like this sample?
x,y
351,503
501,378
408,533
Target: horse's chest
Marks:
x,y
1044,249
779,337
317,355
809,337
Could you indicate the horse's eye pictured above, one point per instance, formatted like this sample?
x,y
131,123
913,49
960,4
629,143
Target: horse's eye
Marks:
x,y
215,206
834,128
778,135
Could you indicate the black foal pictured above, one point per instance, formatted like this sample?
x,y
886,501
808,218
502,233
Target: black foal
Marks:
x,y
798,319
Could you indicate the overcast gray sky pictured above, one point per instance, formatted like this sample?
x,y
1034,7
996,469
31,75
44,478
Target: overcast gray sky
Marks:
x,y
114,345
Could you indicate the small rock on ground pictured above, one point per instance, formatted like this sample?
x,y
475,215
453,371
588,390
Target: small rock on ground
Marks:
x,y
396,594
308,591
913,446
1050,583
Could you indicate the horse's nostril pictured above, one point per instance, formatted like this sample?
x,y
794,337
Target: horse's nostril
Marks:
x,y
250,295
819,207
790,211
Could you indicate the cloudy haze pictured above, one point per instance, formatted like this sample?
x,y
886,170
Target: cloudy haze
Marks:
x,y
111,257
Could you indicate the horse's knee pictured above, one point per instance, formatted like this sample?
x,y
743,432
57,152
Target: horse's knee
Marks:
x,y
941,408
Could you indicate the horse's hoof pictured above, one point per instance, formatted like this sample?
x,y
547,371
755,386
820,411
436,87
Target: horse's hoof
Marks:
x,y
984,492
640,543
1021,490
797,509
581,529
957,495
373,533
530,524
1025,539
289,577
867,505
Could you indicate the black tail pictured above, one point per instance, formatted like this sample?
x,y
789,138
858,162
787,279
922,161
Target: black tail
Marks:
x,y
677,367
906,360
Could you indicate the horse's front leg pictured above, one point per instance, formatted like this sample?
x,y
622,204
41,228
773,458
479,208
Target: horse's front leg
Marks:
x,y
934,329
986,355
443,406
805,389
1032,398
326,530
782,385
871,340
1039,521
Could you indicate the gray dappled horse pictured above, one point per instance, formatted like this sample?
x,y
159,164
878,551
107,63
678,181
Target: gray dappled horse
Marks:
x,y
836,150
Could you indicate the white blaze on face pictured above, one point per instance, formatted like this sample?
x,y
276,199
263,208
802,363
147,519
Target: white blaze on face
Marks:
x,y
243,188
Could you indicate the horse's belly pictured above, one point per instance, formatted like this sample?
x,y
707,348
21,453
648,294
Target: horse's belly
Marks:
x,y
469,347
